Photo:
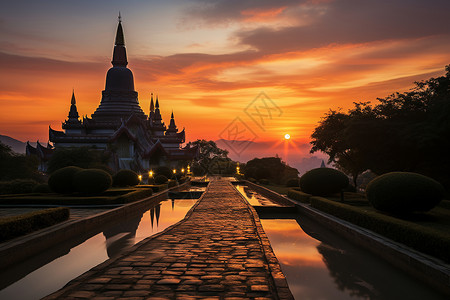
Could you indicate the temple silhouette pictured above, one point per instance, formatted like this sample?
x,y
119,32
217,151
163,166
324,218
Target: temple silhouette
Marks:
x,y
119,125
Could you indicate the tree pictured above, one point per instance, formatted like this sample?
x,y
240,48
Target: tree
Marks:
x,y
404,132
17,166
271,168
82,157
211,158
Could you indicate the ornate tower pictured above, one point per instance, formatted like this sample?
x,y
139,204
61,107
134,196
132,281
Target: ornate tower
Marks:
x,y
119,99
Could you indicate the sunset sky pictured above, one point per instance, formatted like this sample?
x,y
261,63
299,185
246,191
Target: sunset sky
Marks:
x,y
209,60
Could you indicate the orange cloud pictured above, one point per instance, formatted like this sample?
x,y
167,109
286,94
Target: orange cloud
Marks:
x,y
262,15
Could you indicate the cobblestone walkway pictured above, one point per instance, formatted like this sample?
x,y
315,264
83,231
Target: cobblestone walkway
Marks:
x,y
218,252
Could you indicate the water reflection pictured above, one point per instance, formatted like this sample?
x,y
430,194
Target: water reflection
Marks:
x,y
253,197
320,265
50,271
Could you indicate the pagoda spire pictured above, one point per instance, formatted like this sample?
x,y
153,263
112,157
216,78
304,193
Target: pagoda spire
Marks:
x,y
152,105
73,112
120,53
172,127
157,102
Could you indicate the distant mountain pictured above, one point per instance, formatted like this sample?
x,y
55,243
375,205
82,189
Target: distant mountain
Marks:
x,y
16,145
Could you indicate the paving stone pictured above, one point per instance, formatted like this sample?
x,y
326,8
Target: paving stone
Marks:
x,y
219,252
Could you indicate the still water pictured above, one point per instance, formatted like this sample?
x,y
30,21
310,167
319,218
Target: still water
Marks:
x,y
253,197
318,264
50,271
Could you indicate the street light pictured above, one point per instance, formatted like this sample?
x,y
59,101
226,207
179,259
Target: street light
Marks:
x,y
182,170
140,177
237,169
189,169
150,173
174,171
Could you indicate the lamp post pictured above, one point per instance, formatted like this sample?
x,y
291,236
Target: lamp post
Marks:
x,y
140,178
238,169
189,170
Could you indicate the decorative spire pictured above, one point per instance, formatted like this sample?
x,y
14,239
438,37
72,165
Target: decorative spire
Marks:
x,y
152,105
120,53
73,112
172,127
157,102
171,115
73,102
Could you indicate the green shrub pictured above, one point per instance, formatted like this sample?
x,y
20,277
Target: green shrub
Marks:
x,y
17,186
41,188
165,171
92,181
293,182
11,227
404,192
264,181
160,179
61,180
298,195
172,183
125,178
323,181
411,234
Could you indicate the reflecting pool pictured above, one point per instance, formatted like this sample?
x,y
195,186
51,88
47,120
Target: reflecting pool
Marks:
x,y
50,271
253,197
318,264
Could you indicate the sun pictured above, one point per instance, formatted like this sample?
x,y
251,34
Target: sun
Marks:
x,y
287,136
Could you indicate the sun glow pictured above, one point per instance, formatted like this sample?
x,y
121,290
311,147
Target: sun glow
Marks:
x,y
287,136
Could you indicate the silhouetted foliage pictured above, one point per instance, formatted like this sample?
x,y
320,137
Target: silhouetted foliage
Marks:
x,y
82,157
293,182
61,180
323,181
403,132
271,168
41,188
160,179
125,178
17,166
211,160
17,186
404,192
91,181
165,171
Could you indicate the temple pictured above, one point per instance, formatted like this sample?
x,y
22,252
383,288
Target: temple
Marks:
x,y
120,126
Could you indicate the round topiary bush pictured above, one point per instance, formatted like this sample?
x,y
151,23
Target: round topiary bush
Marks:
x,y
160,179
125,178
41,188
293,182
264,181
92,181
165,171
61,180
323,181
404,192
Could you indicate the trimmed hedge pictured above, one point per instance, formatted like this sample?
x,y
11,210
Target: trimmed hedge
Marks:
x,y
160,179
293,182
264,181
323,181
165,171
299,196
135,194
422,239
61,180
42,189
91,181
125,178
11,227
17,186
404,192
172,183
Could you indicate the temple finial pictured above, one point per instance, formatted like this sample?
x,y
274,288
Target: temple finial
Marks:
x,y
72,101
120,17
171,115
157,102
152,105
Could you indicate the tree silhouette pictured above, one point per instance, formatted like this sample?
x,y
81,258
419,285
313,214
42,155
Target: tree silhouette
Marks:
x,y
404,132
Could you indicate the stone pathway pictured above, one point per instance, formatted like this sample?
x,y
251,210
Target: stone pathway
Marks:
x,y
218,252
